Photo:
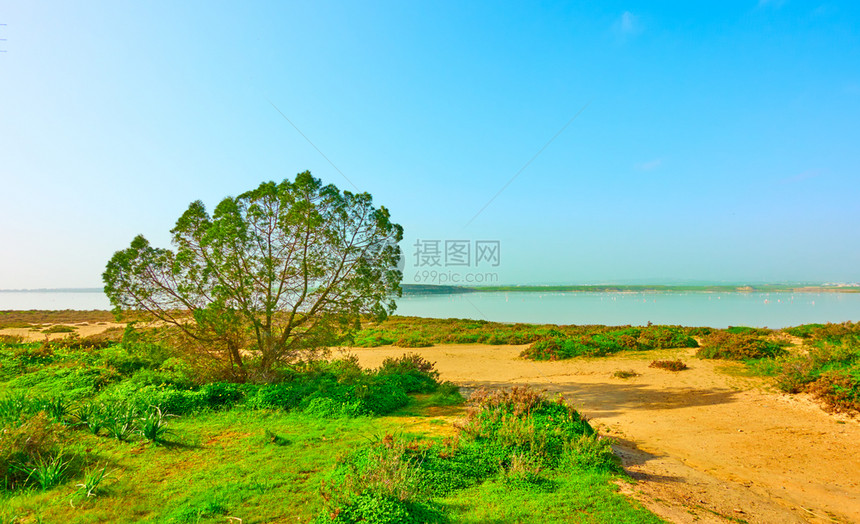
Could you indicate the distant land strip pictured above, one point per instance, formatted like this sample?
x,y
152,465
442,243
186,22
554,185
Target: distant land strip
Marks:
x,y
56,290
429,289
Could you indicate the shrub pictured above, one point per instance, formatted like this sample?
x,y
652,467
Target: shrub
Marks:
x,y
666,337
831,333
838,389
349,390
92,481
670,365
412,341
416,374
59,329
46,471
380,484
523,420
743,330
591,452
10,340
370,340
623,373
22,446
738,346
447,394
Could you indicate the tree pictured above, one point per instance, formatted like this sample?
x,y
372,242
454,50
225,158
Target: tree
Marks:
x,y
275,271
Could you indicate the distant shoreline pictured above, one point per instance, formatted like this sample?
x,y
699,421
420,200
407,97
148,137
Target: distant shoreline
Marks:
x,y
427,289
56,290
422,289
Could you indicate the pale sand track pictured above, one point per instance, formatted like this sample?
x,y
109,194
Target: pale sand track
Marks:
x,y
704,445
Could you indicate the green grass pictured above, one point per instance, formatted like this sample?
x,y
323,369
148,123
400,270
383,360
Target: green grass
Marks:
x,y
89,435
587,497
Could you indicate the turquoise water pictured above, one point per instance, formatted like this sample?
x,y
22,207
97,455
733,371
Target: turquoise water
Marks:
x,y
719,310
25,300
773,310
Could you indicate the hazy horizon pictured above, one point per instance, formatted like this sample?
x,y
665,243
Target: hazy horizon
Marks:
x,y
556,144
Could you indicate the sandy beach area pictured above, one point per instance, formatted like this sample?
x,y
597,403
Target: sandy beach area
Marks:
x,y
704,445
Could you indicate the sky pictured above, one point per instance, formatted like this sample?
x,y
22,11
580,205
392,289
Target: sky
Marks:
x,y
624,142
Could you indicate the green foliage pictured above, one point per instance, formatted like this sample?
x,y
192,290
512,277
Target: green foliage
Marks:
x,y
743,330
92,482
413,372
832,333
829,370
342,389
447,394
69,381
275,272
46,472
412,342
120,420
226,458
522,420
517,435
739,346
604,341
28,450
15,408
547,342
591,452
153,425
59,329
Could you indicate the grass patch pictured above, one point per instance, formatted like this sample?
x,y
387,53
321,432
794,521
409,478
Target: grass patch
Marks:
x,y
128,432
59,328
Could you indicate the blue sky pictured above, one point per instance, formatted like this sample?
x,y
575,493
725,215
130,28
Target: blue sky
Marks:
x,y
717,142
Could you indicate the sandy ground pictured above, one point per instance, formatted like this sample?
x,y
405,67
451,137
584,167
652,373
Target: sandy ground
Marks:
x,y
704,444
83,329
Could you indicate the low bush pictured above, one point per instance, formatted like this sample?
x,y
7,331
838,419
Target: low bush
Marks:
x,y
413,341
838,389
744,330
26,446
670,365
415,374
59,329
380,484
666,337
602,341
830,371
342,388
447,394
523,420
738,346
831,333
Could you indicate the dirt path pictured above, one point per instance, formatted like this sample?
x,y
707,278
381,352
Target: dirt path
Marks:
x,y
704,445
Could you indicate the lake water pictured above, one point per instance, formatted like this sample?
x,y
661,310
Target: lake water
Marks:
x,y
719,310
773,310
